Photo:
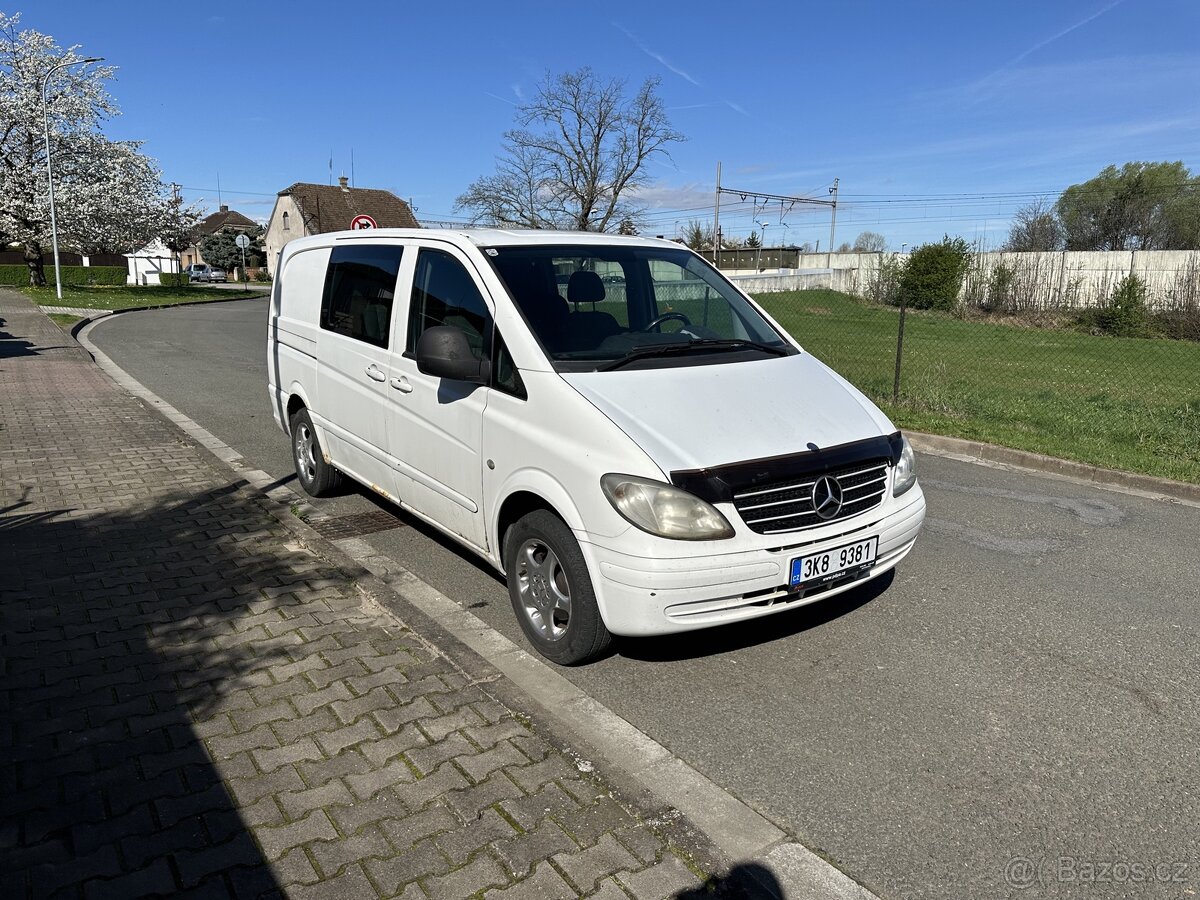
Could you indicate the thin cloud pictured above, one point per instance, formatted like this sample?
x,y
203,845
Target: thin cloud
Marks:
x,y
1050,40
1072,83
689,106
498,97
658,57
736,108
990,79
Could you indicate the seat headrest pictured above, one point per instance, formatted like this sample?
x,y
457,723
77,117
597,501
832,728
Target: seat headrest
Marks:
x,y
585,287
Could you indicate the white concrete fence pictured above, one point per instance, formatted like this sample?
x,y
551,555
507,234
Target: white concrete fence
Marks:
x,y
1061,280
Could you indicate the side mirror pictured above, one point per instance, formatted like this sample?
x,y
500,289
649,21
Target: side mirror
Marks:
x,y
444,352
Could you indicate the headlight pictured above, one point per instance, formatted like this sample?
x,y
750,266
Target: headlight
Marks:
x,y
906,470
664,510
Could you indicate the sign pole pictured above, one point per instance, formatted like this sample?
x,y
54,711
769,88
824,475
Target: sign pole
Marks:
x,y
243,242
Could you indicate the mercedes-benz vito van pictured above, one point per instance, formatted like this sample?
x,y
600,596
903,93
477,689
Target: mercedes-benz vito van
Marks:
x,y
613,425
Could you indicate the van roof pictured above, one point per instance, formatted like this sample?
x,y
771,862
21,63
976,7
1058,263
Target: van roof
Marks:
x,y
500,237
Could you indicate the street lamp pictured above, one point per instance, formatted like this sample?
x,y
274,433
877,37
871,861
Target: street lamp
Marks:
x,y
50,168
758,262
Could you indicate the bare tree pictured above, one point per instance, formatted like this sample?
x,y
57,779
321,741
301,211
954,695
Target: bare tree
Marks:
x,y
870,242
578,153
1035,227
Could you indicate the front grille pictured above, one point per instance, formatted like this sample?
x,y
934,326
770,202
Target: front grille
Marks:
x,y
788,505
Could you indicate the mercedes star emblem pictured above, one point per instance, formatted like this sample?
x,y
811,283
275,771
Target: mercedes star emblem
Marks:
x,y
827,497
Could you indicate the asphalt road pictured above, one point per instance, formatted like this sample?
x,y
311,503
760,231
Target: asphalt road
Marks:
x,y
1026,688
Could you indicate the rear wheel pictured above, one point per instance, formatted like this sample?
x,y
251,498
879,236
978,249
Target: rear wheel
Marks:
x,y
551,590
317,477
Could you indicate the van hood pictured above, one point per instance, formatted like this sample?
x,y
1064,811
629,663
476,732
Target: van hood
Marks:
x,y
695,417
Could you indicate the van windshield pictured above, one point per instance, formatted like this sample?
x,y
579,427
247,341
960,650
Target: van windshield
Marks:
x,y
598,307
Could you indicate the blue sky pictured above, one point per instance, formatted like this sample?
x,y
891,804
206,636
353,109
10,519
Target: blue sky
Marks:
x,y
936,117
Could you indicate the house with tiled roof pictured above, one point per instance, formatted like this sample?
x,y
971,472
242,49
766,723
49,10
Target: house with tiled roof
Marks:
x,y
305,209
224,219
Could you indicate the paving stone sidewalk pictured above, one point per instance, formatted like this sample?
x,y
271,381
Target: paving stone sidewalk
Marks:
x,y
192,703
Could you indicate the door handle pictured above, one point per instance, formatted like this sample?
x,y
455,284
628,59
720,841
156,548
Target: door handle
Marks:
x,y
375,373
402,384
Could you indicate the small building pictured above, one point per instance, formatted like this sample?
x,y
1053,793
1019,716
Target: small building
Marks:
x,y
147,264
224,219
305,209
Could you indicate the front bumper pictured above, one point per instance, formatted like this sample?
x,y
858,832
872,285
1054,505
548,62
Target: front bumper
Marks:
x,y
647,596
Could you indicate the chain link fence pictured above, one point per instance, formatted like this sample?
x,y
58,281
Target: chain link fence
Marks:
x,y
1042,377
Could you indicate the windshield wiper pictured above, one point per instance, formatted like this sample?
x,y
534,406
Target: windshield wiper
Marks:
x,y
701,345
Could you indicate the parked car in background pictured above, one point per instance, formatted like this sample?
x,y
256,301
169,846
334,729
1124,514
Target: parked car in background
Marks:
x,y
199,272
217,274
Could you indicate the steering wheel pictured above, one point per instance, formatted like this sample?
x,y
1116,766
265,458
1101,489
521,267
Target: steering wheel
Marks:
x,y
656,325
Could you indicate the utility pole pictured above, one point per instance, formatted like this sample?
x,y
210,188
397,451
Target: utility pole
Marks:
x,y
768,198
178,198
833,220
717,222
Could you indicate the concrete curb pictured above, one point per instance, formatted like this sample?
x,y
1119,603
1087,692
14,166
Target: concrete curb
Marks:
x,y
662,788
1110,479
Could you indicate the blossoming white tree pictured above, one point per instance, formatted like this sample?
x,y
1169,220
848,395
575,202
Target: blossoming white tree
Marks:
x,y
108,196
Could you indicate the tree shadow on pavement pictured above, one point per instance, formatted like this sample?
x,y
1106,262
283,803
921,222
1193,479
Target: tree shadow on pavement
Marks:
x,y
127,638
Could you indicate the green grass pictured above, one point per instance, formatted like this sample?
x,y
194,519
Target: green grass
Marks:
x,y
1122,403
129,296
64,321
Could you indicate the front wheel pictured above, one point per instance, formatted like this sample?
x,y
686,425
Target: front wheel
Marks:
x,y
551,590
317,477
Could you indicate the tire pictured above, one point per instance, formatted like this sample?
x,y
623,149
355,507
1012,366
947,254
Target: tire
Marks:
x,y
317,477
551,590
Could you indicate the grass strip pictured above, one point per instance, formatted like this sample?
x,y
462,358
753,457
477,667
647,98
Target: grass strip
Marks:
x,y
131,296
1123,403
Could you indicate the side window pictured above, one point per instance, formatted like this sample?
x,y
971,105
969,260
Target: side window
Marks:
x,y
360,285
444,294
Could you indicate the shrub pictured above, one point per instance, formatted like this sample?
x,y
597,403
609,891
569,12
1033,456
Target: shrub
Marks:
x,y
262,275
1182,326
102,275
1126,310
14,275
933,275
884,286
1000,287
173,279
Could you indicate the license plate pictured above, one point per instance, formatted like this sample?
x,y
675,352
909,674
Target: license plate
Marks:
x,y
818,568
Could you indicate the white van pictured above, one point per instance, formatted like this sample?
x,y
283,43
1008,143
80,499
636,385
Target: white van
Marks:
x,y
607,420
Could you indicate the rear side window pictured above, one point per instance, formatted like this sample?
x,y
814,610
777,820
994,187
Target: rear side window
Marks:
x,y
445,294
360,286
